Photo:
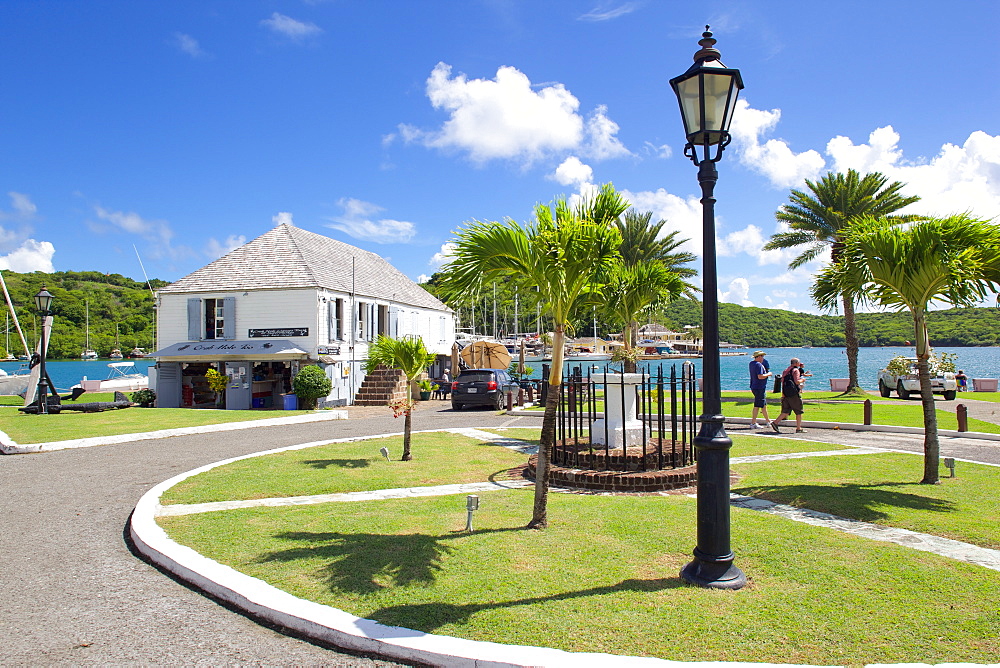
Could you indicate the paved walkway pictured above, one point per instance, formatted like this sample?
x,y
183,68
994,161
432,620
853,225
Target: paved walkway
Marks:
x,y
75,594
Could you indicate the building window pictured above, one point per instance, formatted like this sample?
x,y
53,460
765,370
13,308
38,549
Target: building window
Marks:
x,y
210,319
336,319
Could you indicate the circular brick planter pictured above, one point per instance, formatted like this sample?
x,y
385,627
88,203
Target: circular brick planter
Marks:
x,y
590,470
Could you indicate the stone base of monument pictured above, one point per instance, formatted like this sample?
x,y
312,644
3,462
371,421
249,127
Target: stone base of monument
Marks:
x,y
591,467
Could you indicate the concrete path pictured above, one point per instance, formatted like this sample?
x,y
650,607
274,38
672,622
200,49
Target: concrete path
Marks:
x,y
74,594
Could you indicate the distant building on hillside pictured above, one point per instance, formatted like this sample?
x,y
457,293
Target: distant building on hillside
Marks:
x,y
288,298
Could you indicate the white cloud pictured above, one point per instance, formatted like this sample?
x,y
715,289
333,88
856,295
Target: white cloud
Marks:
x,y
751,240
662,151
773,158
602,143
681,214
423,278
572,172
443,255
357,222
189,45
509,118
216,249
738,292
291,28
157,232
23,206
31,256
957,179
605,11
282,218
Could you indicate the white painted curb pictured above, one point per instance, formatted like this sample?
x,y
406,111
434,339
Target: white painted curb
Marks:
x,y
9,447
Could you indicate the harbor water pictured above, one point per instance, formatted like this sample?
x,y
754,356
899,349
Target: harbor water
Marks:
x,y
65,374
822,363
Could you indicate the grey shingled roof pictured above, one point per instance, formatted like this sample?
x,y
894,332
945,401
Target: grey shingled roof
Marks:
x,y
290,257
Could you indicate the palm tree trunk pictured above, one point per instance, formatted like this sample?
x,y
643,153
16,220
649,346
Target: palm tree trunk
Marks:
x,y
851,341
539,514
631,329
932,447
406,436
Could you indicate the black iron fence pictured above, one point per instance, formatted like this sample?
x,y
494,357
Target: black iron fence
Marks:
x,y
657,426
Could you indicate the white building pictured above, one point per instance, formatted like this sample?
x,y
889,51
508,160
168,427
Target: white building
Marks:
x,y
286,299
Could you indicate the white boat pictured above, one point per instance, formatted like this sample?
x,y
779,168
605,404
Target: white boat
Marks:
x,y
123,377
14,383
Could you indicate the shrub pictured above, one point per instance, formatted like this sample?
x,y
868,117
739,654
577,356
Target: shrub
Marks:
x,y
144,398
310,384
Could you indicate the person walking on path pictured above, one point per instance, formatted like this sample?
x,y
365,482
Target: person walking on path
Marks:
x,y
963,381
759,373
791,396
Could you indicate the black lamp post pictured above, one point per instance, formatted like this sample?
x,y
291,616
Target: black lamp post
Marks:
x,y
43,304
707,96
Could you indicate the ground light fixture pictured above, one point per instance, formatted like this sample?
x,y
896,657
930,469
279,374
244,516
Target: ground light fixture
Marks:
x,y
471,505
707,94
43,304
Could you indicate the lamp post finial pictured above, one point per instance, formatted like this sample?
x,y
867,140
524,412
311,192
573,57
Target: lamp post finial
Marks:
x,y
708,50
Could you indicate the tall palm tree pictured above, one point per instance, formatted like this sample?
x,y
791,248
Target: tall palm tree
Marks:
x,y
644,241
562,252
410,356
955,260
820,218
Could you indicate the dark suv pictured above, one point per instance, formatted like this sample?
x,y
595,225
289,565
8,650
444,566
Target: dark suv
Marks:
x,y
481,387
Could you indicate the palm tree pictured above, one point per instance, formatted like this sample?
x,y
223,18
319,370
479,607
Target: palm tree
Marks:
x,y
820,219
955,260
562,252
642,242
631,289
409,356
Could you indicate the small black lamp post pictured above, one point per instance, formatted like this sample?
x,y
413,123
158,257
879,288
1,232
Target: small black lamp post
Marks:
x,y
707,96
43,304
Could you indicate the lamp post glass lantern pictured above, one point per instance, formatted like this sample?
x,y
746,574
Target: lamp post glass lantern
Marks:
x,y
707,95
43,304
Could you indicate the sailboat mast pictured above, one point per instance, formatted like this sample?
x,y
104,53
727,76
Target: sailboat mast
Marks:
x,y
10,306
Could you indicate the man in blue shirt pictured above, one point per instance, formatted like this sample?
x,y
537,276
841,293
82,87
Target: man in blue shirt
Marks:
x,y
759,374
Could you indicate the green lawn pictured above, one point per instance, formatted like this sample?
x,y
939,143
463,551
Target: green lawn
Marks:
x,y
349,467
884,489
742,445
603,576
72,424
830,407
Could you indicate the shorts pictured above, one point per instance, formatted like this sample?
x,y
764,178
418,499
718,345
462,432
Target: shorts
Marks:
x,y
759,396
791,405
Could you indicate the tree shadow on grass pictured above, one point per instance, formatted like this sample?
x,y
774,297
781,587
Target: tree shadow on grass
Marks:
x,y
431,616
340,463
854,501
367,562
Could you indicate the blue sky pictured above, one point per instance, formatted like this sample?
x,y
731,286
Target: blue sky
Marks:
x,y
186,128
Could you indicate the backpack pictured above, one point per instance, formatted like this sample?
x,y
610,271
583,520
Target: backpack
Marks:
x,y
789,388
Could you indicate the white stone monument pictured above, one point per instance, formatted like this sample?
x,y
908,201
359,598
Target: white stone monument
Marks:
x,y
621,422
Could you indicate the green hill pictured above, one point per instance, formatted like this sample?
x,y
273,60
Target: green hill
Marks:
x,y
120,308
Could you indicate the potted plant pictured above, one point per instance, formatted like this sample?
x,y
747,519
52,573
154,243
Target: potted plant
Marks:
x,y
217,383
426,387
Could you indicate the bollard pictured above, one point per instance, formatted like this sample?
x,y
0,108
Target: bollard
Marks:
x,y
962,413
868,411
510,400
531,394
520,396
